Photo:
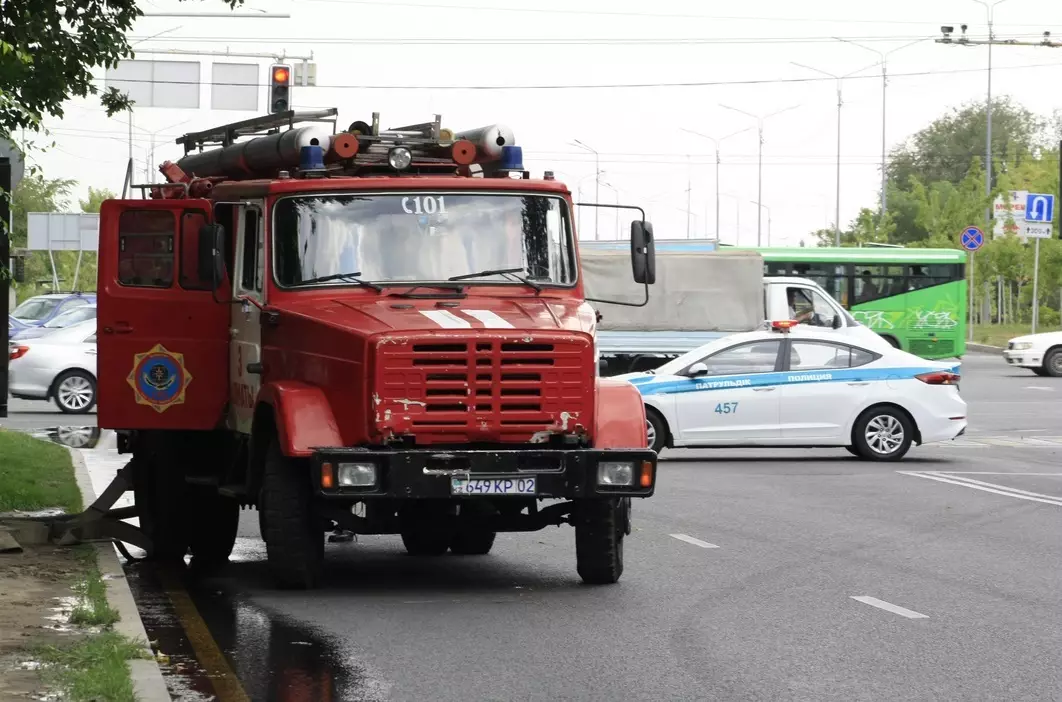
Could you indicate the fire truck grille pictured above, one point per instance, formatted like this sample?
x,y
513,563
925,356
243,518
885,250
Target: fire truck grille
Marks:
x,y
494,390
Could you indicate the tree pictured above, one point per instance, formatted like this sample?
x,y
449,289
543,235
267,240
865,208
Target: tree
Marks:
x,y
48,50
35,193
869,227
944,150
95,199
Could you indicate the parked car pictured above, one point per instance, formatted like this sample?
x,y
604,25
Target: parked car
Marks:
x,y
14,327
40,309
60,367
1040,353
59,321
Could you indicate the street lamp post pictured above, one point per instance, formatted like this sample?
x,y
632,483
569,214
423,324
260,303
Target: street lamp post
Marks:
x,y
840,103
716,143
883,55
758,204
760,119
597,192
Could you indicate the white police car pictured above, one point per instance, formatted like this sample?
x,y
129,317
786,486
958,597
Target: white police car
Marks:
x,y
792,386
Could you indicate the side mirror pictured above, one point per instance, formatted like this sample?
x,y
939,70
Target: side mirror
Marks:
x,y
697,370
643,252
837,321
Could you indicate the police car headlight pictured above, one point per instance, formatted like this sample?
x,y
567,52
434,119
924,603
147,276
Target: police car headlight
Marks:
x,y
1022,345
356,474
615,473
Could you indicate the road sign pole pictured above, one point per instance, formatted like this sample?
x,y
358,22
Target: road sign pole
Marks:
x,y
971,239
1036,281
969,299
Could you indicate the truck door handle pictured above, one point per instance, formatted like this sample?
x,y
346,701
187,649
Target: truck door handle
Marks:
x,y
770,389
118,328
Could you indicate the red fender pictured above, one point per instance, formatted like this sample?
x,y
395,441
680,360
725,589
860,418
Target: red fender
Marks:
x,y
303,416
620,416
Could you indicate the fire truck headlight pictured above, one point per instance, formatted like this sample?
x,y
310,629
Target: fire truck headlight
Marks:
x,y
399,158
615,473
357,474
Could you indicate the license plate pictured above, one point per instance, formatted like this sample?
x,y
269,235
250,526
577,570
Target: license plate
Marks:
x,y
492,486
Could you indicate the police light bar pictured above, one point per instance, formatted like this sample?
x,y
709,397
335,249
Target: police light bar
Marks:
x,y
784,324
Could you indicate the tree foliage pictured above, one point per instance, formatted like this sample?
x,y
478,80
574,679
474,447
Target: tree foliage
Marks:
x,y
48,49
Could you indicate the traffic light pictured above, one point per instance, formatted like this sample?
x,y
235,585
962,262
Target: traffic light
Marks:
x,y
280,88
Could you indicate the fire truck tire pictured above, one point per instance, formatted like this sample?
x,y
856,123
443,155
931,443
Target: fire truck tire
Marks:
x,y
600,525
213,531
472,542
294,540
423,541
158,492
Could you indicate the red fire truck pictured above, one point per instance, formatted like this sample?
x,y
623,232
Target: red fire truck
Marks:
x,y
377,331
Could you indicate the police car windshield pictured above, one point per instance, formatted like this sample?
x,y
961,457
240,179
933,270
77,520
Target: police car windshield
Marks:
x,y
424,237
35,309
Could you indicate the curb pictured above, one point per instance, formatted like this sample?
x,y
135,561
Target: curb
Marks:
x,y
148,684
984,348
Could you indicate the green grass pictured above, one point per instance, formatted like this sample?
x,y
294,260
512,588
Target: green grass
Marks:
x,y
92,669
92,608
1000,334
35,474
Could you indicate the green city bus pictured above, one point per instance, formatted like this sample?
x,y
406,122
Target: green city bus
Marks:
x,y
914,298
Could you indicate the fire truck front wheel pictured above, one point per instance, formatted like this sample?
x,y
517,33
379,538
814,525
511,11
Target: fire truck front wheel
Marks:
x,y
158,492
213,531
600,525
294,538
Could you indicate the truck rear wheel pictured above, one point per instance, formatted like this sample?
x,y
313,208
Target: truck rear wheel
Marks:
x,y
213,532
472,542
294,539
600,525
159,496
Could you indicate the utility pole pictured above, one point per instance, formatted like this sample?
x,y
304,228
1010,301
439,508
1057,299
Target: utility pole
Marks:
x,y
840,104
689,192
758,204
946,38
883,55
760,119
597,192
716,143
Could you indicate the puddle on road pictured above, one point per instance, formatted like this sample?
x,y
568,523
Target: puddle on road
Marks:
x,y
74,437
273,659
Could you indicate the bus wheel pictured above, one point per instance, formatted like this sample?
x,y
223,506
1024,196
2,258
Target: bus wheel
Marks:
x,y
892,341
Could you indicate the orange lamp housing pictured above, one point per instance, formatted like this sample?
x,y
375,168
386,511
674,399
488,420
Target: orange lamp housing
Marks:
x,y
784,324
279,88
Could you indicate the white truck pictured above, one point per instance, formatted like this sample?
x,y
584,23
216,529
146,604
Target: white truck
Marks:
x,y
698,296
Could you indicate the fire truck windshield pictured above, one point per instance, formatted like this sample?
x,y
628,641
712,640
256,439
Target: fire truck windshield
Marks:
x,y
423,237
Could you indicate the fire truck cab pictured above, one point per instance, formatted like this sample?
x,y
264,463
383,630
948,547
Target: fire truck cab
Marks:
x,y
379,331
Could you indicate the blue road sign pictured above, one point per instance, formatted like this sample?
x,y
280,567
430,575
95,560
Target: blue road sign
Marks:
x,y
972,238
1039,208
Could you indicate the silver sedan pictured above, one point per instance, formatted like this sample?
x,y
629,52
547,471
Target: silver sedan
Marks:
x,y
60,366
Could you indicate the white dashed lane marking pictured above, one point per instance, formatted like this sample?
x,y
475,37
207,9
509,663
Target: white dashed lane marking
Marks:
x,y
1005,490
889,607
690,540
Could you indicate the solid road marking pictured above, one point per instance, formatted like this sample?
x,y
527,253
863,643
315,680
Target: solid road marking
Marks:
x,y
889,607
691,540
207,652
986,487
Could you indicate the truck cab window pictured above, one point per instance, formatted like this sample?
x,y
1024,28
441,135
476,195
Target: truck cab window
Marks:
x,y
250,264
189,278
145,248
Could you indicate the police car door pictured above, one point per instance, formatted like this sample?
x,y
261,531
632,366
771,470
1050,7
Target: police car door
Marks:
x,y
824,389
731,396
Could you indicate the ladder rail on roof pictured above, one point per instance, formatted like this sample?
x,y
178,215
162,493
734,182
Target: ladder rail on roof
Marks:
x,y
226,134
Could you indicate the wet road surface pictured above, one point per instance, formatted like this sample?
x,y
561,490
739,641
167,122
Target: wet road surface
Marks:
x,y
750,575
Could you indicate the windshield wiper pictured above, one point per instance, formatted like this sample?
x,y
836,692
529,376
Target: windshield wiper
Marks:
x,y
456,290
500,271
347,277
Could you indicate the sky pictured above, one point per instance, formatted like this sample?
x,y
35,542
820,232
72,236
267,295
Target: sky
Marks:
x,y
625,78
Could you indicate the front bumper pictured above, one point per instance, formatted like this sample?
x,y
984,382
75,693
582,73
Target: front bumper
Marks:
x,y
1025,358
427,474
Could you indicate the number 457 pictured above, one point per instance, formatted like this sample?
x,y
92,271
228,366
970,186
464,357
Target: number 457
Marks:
x,y
726,408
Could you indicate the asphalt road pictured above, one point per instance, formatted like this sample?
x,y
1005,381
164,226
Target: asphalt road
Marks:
x,y
750,575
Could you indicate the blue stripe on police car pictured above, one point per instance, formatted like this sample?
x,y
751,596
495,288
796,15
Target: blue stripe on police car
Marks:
x,y
651,385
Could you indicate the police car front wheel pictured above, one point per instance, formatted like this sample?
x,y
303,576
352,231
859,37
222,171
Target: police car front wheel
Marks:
x,y
655,430
882,434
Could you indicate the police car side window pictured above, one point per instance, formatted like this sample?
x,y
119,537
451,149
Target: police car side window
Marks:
x,y
861,357
754,357
808,355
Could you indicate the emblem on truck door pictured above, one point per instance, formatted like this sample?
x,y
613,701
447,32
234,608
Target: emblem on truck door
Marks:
x,y
159,378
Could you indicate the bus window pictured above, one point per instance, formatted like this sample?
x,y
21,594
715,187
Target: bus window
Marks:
x,y
875,282
928,275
